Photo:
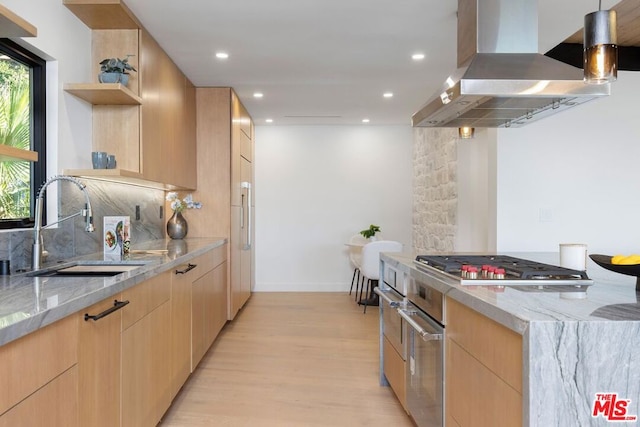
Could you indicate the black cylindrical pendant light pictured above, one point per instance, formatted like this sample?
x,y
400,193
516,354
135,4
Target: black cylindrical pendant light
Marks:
x,y
600,47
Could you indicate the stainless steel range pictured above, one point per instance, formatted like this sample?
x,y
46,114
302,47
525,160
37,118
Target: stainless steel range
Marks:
x,y
501,270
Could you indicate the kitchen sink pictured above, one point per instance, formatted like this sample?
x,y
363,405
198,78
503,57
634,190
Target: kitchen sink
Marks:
x,y
85,269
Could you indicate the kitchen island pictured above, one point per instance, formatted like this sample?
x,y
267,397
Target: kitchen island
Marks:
x,y
580,350
109,351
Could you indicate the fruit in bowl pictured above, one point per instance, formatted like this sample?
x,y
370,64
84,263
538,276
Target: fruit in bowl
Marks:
x,y
632,259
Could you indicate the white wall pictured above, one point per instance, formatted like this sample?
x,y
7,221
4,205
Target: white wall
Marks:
x,y
574,177
476,183
318,185
65,42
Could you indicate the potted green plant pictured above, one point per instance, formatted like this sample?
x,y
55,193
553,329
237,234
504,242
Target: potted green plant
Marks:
x,y
370,232
115,70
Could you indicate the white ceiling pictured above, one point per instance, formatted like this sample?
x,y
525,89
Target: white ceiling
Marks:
x,y
326,61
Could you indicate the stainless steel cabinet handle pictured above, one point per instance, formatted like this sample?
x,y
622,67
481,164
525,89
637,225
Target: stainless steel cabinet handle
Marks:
x,y
247,185
427,336
242,211
384,296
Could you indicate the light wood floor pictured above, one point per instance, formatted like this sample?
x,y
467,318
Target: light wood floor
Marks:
x,y
291,359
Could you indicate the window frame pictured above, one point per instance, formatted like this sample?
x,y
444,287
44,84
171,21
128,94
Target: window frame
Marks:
x,y
38,128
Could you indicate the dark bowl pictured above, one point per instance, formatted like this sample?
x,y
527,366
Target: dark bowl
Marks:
x,y
604,261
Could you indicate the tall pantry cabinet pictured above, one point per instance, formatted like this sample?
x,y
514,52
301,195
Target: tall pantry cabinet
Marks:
x,y
225,148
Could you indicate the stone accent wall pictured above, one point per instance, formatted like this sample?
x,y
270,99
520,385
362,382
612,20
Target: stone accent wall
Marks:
x,y
435,197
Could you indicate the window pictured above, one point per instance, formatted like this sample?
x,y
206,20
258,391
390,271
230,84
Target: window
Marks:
x,y
22,125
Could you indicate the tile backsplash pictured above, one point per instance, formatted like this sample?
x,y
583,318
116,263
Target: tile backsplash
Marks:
x,y
69,239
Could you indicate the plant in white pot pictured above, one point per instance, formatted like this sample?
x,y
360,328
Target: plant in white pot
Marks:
x,y
115,70
370,233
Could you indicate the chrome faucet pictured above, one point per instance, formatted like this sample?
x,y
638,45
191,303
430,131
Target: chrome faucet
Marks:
x,y
36,254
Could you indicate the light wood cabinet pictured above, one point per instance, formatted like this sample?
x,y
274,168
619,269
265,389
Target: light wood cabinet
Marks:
x,y
99,361
53,405
145,352
209,306
181,282
31,362
150,124
483,370
223,128
124,368
168,118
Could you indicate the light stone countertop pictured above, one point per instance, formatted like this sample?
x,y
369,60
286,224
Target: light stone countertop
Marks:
x,y
573,348
612,296
29,303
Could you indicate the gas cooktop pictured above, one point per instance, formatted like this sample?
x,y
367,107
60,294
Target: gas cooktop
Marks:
x,y
502,269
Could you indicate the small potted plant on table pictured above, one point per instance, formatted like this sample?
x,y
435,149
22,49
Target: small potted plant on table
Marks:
x,y
115,70
370,233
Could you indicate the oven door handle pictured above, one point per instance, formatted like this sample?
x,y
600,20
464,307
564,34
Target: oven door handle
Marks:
x,y
426,336
383,295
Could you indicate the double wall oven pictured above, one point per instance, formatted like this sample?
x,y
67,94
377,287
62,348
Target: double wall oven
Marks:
x,y
412,344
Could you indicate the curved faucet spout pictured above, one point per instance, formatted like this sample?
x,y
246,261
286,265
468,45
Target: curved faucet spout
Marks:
x,y
87,212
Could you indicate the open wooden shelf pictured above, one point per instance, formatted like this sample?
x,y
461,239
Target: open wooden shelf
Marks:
x,y
11,154
103,93
11,25
122,176
104,14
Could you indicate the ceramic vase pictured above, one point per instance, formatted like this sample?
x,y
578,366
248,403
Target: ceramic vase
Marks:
x,y
113,78
177,226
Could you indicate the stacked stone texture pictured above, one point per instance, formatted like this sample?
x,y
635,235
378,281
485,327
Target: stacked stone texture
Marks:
x,y
435,195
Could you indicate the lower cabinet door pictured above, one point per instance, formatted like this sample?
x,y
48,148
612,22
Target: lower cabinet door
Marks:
x,y
145,369
54,405
99,352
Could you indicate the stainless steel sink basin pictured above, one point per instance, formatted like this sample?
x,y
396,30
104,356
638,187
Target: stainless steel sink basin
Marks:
x,y
84,269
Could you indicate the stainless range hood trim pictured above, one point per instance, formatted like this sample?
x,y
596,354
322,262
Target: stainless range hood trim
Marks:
x,y
503,76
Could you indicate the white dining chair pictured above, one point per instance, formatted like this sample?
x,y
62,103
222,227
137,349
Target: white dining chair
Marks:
x,y
357,242
370,265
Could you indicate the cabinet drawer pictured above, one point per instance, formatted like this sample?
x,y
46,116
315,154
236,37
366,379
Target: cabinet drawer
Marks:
x,y
493,345
394,370
54,405
145,297
204,263
477,397
32,361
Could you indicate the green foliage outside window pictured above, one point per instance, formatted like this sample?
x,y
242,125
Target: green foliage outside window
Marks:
x,y
15,185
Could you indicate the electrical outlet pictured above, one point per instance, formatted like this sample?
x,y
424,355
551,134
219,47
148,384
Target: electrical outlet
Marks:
x,y
546,215
137,212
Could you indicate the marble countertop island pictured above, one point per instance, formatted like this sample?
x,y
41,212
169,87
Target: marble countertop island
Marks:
x,y
575,344
29,303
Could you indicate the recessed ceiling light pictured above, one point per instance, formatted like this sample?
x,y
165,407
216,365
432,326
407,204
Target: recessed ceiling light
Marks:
x,y
258,95
269,120
222,55
365,120
417,56
388,95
